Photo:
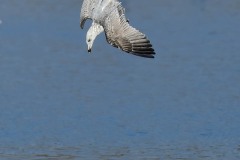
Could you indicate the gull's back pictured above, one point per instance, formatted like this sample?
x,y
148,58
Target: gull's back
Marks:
x,y
97,10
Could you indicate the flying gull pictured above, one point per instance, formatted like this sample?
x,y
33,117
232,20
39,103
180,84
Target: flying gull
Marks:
x,y
109,16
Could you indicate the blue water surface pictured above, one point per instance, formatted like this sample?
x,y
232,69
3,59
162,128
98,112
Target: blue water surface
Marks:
x,y
59,102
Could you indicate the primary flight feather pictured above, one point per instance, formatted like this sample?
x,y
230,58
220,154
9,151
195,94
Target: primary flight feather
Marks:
x,y
109,16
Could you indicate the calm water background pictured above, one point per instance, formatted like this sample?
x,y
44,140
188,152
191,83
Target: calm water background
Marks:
x,y
59,102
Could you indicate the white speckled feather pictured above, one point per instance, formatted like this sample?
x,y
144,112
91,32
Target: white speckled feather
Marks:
x,y
110,15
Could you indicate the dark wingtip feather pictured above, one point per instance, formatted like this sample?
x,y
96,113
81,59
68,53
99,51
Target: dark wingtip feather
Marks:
x,y
145,55
82,22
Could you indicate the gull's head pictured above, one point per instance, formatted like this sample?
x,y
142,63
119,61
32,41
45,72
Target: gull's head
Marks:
x,y
89,40
92,33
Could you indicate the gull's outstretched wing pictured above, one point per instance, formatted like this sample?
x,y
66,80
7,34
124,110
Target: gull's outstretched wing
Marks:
x,y
87,10
121,35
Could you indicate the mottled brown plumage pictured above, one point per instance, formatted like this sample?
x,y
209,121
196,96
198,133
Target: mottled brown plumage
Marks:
x,y
110,15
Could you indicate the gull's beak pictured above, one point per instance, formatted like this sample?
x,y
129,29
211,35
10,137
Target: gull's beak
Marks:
x,y
89,50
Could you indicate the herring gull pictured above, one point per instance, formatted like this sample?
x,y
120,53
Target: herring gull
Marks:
x,y
109,16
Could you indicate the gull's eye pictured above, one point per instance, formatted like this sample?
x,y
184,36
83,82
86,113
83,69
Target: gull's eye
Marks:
x,y
89,40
